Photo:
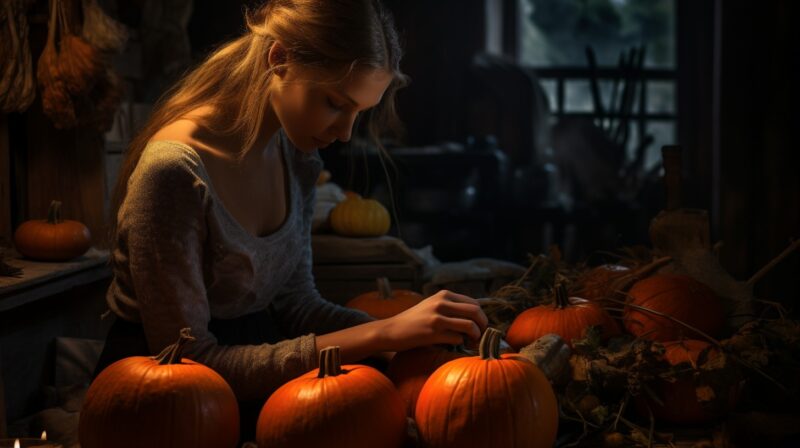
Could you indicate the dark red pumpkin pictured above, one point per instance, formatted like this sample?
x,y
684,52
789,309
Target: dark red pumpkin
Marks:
x,y
338,405
409,370
568,317
52,239
678,400
385,302
598,284
489,400
163,400
679,296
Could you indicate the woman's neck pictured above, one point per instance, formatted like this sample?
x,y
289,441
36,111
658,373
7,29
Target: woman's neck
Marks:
x,y
207,118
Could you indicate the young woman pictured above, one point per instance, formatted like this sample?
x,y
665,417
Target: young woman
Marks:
x,y
213,206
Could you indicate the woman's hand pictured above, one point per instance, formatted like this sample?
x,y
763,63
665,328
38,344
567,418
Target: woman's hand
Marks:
x,y
443,318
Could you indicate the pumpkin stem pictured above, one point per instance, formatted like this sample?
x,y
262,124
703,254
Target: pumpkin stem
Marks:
x,y
54,212
172,353
384,288
562,296
330,362
489,347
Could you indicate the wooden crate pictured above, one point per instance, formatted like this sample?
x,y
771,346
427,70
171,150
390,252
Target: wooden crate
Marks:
x,y
345,267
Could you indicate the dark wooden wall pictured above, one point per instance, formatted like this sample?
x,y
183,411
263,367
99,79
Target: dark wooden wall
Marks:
x,y
743,158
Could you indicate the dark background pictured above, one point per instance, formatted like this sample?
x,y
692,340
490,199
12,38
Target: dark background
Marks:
x,y
736,120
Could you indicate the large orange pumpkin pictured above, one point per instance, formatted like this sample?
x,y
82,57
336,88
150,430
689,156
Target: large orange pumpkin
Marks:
x,y
163,400
52,239
409,370
678,296
351,405
486,401
677,401
385,302
568,317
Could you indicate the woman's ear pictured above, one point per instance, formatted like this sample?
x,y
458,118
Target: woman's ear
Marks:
x,y
278,57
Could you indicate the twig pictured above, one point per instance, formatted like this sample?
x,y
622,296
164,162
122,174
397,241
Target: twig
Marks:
x,y
794,245
621,410
658,313
652,429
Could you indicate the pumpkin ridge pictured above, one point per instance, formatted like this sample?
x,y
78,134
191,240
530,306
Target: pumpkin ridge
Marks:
x,y
509,412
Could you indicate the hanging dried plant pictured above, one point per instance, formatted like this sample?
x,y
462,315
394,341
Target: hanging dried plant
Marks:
x,y
80,64
16,72
56,100
100,30
57,104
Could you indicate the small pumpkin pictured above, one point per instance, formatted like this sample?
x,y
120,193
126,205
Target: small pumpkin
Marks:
x,y
385,302
163,400
359,217
487,400
678,296
409,370
52,239
677,401
568,317
343,405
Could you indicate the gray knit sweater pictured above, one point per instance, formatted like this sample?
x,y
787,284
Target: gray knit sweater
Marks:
x,y
181,259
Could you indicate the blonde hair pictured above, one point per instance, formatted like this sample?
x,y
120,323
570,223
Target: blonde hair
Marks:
x,y
331,35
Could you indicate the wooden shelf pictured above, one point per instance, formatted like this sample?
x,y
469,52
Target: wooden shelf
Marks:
x,y
40,279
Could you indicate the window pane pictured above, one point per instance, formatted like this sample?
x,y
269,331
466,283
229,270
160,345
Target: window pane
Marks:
x,y
555,32
661,97
577,97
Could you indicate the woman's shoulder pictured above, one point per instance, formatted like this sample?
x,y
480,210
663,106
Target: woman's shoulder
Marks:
x,y
168,157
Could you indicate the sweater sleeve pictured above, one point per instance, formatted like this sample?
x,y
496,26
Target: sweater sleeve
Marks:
x,y
162,223
299,305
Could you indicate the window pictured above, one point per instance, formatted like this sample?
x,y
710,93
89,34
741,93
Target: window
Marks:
x,y
633,42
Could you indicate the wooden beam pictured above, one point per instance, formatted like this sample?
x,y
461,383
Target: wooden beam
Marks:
x,y
5,182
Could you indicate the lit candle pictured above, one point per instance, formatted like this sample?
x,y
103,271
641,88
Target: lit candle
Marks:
x,y
29,443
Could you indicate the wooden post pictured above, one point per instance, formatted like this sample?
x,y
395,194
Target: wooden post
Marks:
x,y
3,430
5,182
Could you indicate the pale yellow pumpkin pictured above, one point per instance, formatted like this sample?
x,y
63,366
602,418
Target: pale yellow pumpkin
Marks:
x,y
356,216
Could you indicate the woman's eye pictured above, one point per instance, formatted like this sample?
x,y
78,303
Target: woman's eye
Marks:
x,y
333,105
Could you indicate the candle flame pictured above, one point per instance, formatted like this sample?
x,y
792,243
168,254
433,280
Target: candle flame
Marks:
x,y
44,435
16,443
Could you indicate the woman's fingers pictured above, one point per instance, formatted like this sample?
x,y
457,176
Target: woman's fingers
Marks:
x,y
456,297
464,327
465,311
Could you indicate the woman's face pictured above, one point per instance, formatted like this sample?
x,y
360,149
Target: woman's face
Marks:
x,y
315,108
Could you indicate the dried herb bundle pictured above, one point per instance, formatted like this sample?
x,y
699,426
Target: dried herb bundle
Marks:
x,y
77,84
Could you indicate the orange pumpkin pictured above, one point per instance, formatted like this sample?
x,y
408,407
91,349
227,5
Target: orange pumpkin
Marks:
x,y
52,239
163,400
385,302
568,317
677,401
487,400
409,370
356,216
350,405
678,296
